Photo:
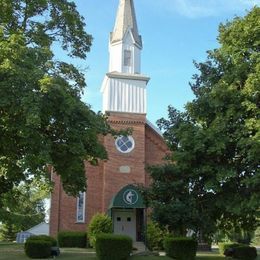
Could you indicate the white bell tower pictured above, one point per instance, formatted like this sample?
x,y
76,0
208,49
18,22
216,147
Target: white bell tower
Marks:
x,y
124,88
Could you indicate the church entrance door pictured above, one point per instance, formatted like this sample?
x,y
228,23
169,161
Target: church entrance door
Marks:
x,y
125,222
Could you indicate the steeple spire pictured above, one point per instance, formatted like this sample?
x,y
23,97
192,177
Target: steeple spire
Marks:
x,y
125,20
124,87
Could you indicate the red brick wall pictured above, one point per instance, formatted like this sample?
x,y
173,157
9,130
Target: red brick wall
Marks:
x,y
114,180
94,198
63,210
105,180
155,149
54,210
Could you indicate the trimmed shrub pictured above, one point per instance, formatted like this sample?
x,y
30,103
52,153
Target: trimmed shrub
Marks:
x,y
100,223
226,246
181,248
52,240
245,253
155,236
72,239
113,247
37,248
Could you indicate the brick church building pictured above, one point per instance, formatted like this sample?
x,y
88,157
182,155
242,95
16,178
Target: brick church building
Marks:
x,y
111,185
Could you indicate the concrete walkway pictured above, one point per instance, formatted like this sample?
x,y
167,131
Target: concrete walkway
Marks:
x,y
142,250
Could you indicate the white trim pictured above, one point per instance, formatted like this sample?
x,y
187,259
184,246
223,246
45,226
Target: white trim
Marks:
x,y
156,129
83,208
119,75
129,31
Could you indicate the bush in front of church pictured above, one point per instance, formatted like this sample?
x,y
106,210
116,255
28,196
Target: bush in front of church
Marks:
x,y
38,249
72,239
52,240
226,246
181,248
100,223
155,236
113,247
245,252
39,246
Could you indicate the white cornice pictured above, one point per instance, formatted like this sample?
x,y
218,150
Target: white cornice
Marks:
x,y
118,75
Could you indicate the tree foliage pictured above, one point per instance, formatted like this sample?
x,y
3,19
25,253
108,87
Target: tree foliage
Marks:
x,y
178,202
42,118
23,208
215,142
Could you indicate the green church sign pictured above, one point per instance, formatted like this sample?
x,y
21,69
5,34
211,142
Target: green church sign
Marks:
x,y
128,197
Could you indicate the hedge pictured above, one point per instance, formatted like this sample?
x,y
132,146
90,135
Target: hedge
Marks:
x,y
38,248
113,247
52,240
72,239
224,246
180,248
245,253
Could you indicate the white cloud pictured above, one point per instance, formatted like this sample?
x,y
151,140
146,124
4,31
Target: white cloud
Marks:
x,y
203,8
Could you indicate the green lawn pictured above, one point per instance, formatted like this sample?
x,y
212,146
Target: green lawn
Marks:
x,y
200,256
15,251
9,251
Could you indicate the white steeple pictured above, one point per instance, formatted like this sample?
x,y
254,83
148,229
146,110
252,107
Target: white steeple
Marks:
x,y
125,20
124,88
125,42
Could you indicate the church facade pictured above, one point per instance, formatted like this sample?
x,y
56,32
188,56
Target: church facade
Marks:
x,y
111,186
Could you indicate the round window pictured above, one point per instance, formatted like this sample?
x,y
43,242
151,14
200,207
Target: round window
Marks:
x,y
125,144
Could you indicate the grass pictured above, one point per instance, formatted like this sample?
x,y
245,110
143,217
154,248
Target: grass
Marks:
x,y
11,251
214,255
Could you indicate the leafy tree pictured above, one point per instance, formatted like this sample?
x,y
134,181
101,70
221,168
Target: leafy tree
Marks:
x,y
42,118
22,209
215,142
177,204
227,109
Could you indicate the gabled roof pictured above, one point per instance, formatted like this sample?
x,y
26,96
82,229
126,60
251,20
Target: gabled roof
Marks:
x,y
41,228
125,20
155,129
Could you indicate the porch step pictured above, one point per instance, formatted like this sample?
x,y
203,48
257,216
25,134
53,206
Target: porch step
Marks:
x,y
141,250
139,247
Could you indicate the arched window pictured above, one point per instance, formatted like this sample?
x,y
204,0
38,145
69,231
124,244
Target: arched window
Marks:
x,y
127,58
81,201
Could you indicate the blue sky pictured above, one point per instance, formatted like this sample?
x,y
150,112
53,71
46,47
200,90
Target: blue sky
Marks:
x,y
174,32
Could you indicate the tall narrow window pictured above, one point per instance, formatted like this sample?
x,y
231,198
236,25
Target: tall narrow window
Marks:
x,y
81,207
127,58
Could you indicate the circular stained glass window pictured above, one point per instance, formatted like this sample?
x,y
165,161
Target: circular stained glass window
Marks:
x,y
125,144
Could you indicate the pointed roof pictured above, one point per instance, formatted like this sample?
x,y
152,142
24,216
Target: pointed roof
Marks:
x,y
125,20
